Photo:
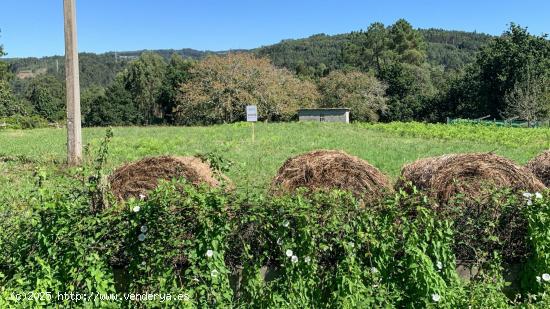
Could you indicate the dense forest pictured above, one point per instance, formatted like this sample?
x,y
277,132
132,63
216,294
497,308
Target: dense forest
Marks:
x,y
321,53
384,73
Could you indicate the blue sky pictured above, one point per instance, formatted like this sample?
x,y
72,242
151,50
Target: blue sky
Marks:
x,y
35,27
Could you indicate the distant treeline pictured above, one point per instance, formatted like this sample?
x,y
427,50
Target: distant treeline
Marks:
x,y
95,69
383,73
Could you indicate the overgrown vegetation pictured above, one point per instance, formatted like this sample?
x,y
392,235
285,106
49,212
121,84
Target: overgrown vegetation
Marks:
x,y
212,248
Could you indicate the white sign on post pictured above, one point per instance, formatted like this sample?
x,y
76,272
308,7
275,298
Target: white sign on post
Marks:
x,y
251,113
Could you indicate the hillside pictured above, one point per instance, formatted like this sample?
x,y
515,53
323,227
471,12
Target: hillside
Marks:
x,y
451,49
95,69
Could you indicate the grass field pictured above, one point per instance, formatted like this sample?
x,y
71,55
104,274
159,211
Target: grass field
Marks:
x,y
386,146
329,251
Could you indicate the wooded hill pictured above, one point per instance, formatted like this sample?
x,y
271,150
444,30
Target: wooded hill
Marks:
x,y
451,49
314,55
95,69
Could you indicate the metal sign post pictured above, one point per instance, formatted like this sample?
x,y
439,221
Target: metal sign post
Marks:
x,y
252,116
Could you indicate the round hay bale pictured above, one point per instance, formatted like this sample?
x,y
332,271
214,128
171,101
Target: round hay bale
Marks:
x,y
470,191
331,169
468,174
137,178
540,167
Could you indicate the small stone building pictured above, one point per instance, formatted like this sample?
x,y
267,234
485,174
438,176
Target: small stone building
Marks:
x,y
324,114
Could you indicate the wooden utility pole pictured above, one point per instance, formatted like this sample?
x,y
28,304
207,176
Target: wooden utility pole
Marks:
x,y
74,130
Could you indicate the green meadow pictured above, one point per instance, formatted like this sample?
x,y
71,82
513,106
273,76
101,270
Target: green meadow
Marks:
x,y
252,164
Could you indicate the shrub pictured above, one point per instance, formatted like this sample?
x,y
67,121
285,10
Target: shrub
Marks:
x,y
23,122
225,250
316,251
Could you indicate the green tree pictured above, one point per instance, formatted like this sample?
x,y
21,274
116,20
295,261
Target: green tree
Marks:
x,y
47,96
368,50
221,86
112,106
528,100
407,43
398,56
363,93
12,105
176,74
88,101
409,88
377,44
6,99
3,66
6,96
498,69
380,46
144,79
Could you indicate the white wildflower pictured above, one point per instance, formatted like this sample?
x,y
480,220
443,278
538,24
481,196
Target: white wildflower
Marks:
x,y
307,259
294,259
439,265
136,208
538,279
527,195
143,228
529,202
538,195
436,297
141,237
142,197
373,270
214,273
209,253
546,277
289,253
